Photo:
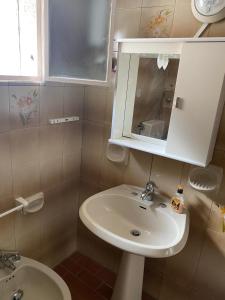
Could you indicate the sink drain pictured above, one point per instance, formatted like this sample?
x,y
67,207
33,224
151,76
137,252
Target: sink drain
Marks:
x,y
163,205
135,232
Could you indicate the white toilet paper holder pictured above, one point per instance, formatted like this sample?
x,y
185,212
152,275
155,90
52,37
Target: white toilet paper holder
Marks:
x,y
30,204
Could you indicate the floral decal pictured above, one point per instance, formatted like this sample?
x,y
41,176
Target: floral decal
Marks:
x,y
158,25
27,106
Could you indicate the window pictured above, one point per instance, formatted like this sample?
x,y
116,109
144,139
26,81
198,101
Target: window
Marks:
x,y
78,46
76,35
19,55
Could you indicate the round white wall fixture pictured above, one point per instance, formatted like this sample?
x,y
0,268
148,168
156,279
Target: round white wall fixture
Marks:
x,y
208,11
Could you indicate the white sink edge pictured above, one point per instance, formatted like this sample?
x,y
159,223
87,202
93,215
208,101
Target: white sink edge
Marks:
x,y
126,244
133,247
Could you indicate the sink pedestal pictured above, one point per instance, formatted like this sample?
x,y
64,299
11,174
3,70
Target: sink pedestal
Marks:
x,y
130,278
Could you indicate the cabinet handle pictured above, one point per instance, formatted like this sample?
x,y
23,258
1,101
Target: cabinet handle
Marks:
x,y
179,103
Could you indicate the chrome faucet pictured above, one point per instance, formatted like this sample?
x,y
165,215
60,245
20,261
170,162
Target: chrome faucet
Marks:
x,y
8,259
148,193
18,295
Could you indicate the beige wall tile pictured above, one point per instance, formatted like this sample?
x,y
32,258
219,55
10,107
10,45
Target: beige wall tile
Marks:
x,y
51,142
72,139
28,234
181,267
51,103
26,179
128,3
24,106
152,282
184,23
87,189
166,174
111,173
73,97
71,167
51,172
70,192
217,29
5,167
210,273
156,21
150,3
171,290
127,23
4,109
53,201
92,151
25,146
7,237
138,170
95,104
215,219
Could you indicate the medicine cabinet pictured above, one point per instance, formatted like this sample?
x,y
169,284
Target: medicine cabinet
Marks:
x,y
78,40
169,97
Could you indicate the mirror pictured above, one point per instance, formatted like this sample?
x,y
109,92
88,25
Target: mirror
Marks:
x,y
156,83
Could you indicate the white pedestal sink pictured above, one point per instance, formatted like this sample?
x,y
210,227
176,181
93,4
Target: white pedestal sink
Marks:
x,y
142,229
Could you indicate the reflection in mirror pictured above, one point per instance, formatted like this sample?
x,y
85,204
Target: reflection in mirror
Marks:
x,y
154,96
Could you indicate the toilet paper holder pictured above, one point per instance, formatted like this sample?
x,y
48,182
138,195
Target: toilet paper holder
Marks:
x,y
30,204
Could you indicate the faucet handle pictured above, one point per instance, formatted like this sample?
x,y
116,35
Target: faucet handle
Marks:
x,y
150,186
14,255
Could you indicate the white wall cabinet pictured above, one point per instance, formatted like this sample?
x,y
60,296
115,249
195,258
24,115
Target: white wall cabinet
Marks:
x,y
78,40
173,112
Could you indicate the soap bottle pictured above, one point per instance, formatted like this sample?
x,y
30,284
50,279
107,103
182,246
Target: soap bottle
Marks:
x,y
177,201
222,209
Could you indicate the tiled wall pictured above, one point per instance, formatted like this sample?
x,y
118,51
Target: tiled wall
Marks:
x,y
36,156
198,272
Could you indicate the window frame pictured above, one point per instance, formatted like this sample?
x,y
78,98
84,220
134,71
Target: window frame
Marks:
x,y
48,78
39,77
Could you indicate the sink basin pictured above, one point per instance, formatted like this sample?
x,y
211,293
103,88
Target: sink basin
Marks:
x,y
121,218
35,280
141,228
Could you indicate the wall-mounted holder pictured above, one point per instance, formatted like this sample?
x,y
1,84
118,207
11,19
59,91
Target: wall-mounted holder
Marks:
x,y
31,204
117,154
206,179
64,120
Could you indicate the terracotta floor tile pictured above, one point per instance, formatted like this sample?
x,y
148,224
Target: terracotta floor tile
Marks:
x,y
105,291
147,297
76,256
72,266
89,279
61,270
107,276
79,290
89,264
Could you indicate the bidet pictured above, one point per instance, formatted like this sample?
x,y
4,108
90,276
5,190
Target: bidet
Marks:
x,y
30,279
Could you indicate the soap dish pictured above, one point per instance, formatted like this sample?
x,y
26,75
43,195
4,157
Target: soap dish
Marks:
x,y
117,154
206,179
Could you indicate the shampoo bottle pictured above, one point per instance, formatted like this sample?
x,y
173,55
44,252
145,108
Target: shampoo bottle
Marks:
x,y
177,201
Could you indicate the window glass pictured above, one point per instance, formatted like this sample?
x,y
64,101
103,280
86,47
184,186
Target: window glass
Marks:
x,y
18,31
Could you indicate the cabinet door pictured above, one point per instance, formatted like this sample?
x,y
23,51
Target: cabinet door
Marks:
x,y
198,102
78,40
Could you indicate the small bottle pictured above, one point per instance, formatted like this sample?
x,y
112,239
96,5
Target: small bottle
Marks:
x,y
222,209
177,201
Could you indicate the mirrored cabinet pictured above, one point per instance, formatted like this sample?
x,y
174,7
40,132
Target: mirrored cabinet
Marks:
x,y
169,97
